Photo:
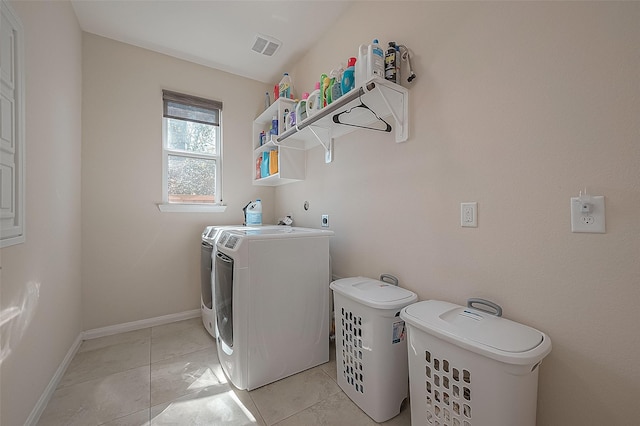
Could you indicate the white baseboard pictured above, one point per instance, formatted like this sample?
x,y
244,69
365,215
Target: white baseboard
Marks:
x,y
35,414
37,411
137,325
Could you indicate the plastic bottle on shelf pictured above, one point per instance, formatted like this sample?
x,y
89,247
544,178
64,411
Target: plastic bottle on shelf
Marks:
x,y
301,108
285,120
348,77
293,116
274,125
324,84
336,86
258,167
398,65
267,100
254,213
276,92
286,86
390,63
332,82
264,166
273,162
362,66
377,59
314,102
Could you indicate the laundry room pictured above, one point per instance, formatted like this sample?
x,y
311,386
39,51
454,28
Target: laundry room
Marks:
x,y
513,127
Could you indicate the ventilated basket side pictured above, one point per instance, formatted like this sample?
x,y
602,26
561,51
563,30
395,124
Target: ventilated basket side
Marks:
x,y
451,386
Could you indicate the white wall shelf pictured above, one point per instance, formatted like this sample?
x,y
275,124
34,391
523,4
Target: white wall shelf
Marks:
x,y
382,99
291,160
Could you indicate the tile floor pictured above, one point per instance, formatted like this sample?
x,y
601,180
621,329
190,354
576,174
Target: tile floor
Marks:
x,y
170,375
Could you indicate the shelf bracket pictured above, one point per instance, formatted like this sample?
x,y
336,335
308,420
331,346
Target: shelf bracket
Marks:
x,y
400,113
324,137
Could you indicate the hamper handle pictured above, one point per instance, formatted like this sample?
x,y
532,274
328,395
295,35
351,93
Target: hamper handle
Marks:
x,y
497,308
388,278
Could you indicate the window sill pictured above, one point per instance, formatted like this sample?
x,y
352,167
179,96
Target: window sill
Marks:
x,y
10,241
191,208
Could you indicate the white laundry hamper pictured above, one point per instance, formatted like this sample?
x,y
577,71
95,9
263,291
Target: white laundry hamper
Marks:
x,y
470,367
371,347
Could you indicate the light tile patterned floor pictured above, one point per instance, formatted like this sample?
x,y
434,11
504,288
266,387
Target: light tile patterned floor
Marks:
x,y
170,375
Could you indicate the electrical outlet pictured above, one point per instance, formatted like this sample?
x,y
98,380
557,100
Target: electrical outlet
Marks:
x,y
588,220
469,215
587,214
325,221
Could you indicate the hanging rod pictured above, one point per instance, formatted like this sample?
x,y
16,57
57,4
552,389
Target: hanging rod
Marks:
x,y
329,109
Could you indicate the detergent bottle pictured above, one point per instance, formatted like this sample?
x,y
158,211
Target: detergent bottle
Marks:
x,y
348,77
377,59
324,85
314,103
285,120
361,67
301,108
254,213
286,86
336,87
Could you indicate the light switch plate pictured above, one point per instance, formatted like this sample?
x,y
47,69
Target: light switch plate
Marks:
x,y
588,221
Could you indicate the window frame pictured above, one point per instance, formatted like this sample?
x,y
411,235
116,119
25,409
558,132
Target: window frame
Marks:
x,y
217,205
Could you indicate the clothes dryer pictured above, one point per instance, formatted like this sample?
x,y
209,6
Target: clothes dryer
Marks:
x,y
210,236
272,303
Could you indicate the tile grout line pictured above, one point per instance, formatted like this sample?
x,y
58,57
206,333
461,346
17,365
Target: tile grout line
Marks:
x,y
339,390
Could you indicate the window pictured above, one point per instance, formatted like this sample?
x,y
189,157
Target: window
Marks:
x,y
12,112
191,153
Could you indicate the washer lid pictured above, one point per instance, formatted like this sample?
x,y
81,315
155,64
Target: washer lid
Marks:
x,y
373,293
478,330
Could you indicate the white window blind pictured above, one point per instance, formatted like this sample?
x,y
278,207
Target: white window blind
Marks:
x,y
191,150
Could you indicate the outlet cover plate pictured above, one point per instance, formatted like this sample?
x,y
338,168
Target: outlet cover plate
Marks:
x,y
592,221
469,215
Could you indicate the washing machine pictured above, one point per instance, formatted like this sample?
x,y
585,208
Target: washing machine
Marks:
x,y
272,302
210,236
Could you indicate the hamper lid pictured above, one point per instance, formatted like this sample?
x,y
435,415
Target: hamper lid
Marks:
x,y
476,330
374,293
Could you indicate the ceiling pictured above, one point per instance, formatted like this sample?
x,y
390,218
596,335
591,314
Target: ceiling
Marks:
x,y
215,33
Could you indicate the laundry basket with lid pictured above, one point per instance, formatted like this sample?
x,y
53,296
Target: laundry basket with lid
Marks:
x,y
470,367
371,347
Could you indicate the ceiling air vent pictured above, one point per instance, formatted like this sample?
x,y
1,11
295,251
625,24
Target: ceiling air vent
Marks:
x,y
265,45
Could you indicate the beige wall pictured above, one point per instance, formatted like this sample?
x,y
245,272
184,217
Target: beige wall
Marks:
x,y
50,257
516,106
139,263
